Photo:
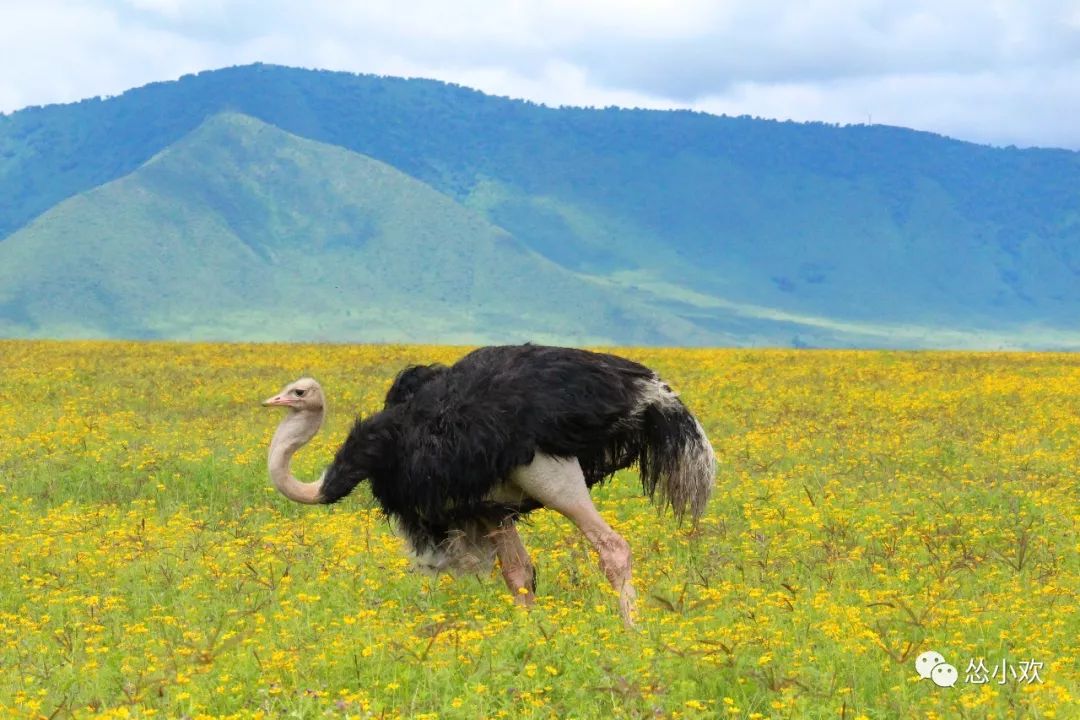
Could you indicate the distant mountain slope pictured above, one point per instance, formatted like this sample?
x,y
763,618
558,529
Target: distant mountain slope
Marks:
x,y
241,230
751,231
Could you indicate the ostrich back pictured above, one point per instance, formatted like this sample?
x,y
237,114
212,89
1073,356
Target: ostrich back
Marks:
x,y
450,435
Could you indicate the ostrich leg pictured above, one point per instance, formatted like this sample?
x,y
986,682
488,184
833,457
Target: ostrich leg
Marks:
x,y
559,484
517,568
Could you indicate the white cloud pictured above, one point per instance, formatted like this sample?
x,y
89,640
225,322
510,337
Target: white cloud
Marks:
x,y
1001,72
1022,106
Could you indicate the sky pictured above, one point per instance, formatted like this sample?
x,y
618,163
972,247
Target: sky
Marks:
x,y
990,71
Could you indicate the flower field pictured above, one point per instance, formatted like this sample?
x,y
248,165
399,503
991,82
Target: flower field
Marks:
x,y
870,507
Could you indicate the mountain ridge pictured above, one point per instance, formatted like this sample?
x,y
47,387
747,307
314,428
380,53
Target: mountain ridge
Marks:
x,y
210,226
794,233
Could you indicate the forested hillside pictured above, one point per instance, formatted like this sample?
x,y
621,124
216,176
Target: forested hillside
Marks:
x,y
747,230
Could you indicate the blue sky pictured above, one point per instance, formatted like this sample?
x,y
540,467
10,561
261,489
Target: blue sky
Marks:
x,y
990,71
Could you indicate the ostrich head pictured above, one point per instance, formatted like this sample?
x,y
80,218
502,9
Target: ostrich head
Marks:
x,y
306,406
304,395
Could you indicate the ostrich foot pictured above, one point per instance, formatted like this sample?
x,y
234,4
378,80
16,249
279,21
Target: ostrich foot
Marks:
x,y
517,569
615,560
627,605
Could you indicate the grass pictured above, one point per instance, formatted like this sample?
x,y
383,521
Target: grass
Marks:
x,y
869,507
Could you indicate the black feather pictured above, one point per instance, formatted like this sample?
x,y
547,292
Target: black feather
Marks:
x,y
409,380
448,436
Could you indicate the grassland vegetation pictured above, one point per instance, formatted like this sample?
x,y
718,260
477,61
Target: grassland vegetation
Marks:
x,y
869,507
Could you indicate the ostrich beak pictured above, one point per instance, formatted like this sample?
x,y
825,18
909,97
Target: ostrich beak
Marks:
x,y
276,401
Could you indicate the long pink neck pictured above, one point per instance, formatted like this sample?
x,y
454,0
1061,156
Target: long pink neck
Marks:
x,y
292,434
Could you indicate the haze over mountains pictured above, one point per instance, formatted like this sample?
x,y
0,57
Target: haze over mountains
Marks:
x,y
264,202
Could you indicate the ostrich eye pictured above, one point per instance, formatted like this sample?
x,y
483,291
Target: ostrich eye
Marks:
x,y
298,393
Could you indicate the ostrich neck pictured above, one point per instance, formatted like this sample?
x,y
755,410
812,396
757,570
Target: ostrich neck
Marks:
x,y
292,434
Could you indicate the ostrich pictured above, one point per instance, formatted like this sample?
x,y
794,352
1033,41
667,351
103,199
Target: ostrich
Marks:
x,y
458,454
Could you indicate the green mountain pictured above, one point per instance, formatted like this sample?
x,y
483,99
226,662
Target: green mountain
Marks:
x,y
516,220
242,230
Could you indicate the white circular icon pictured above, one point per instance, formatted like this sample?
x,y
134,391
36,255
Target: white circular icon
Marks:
x,y
924,664
943,675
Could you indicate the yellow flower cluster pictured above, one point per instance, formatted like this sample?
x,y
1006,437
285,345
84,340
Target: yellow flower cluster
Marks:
x,y
870,506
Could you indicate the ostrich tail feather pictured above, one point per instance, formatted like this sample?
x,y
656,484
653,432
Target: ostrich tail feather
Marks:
x,y
678,465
